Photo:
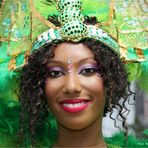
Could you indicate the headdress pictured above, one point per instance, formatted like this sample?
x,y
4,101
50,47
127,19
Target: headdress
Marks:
x,y
72,27
122,26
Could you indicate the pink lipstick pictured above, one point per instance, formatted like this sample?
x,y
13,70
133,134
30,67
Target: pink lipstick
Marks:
x,y
75,105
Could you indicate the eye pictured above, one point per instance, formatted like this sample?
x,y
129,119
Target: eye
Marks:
x,y
88,71
55,74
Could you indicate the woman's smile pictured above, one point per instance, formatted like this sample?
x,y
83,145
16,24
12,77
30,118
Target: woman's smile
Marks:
x,y
75,105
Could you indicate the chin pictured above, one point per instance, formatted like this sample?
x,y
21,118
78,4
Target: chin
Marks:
x,y
74,126
78,124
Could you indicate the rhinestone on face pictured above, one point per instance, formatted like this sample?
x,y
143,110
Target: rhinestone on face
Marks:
x,y
69,65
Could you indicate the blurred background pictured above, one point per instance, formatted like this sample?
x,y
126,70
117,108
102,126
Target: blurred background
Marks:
x,y
137,119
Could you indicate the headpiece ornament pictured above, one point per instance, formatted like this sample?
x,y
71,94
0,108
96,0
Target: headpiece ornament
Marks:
x,y
73,27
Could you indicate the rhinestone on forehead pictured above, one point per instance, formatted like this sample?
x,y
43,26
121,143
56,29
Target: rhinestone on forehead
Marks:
x,y
69,65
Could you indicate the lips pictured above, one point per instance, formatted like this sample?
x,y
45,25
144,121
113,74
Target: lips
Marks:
x,y
74,105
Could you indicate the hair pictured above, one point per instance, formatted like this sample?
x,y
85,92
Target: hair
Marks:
x,y
34,74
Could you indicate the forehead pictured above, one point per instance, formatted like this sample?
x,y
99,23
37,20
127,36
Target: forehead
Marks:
x,y
76,52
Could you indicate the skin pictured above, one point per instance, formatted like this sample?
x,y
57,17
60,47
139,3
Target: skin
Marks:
x,y
84,128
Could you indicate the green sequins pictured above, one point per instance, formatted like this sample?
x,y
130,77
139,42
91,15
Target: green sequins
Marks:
x,y
72,27
71,19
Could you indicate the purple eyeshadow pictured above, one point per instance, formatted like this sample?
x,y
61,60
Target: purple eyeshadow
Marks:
x,y
93,65
55,69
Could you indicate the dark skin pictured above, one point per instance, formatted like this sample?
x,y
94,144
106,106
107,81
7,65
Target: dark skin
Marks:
x,y
69,138
76,129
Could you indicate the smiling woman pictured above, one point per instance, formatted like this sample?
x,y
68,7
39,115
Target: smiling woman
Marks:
x,y
80,82
68,79
76,98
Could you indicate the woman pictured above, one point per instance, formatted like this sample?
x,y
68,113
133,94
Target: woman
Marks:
x,y
77,76
80,82
74,75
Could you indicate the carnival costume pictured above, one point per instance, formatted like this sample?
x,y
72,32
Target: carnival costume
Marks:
x,y
122,26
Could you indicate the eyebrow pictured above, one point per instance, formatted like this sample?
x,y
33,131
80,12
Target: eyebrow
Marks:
x,y
61,62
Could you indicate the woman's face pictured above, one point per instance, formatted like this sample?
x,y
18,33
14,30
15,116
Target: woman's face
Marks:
x,y
74,88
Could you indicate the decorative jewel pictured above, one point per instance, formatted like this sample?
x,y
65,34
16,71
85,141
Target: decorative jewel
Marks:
x,y
71,18
69,65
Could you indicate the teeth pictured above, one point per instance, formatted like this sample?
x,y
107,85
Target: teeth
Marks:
x,y
73,105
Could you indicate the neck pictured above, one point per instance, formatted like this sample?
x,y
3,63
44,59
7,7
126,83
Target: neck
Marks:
x,y
88,137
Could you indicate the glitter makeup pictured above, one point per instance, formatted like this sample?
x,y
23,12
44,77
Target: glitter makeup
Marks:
x,y
93,66
55,71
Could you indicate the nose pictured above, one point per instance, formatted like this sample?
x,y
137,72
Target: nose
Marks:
x,y
72,84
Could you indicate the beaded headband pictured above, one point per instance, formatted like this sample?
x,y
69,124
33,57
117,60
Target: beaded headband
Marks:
x,y
72,28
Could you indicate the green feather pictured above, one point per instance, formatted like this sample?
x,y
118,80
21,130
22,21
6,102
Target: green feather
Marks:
x,y
145,132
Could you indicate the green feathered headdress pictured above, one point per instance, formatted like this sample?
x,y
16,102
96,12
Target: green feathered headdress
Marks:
x,y
122,25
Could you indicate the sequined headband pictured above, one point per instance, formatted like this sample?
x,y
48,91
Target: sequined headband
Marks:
x,y
73,27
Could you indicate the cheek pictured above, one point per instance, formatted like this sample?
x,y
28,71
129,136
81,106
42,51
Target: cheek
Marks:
x,y
95,85
52,88
95,88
